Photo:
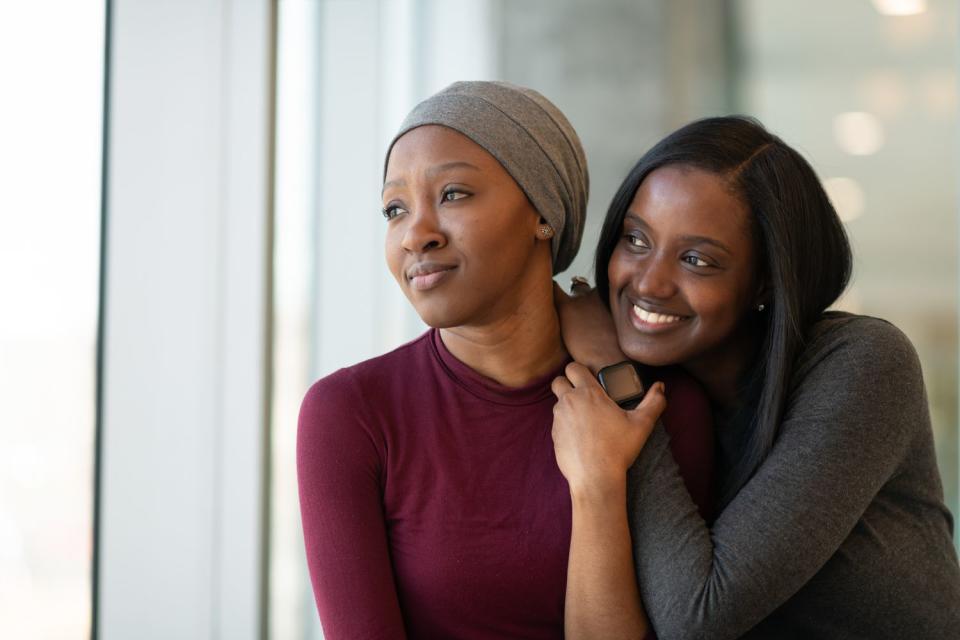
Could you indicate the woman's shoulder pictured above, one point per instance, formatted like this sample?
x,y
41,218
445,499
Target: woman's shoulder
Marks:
x,y
861,356
371,374
343,393
858,386
853,338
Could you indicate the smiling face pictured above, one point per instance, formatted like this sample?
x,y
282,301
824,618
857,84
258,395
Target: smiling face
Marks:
x,y
461,235
683,276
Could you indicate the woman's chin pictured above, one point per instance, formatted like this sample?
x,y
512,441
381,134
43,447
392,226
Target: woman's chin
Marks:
x,y
650,360
440,316
644,352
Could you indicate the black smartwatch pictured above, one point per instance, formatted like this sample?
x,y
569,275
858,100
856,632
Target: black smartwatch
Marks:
x,y
622,383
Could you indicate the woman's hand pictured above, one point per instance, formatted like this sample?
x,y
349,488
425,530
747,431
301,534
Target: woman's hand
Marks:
x,y
586,326
596,441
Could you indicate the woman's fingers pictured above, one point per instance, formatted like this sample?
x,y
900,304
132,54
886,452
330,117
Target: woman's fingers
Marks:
x,y
580,376
560,386
653,404
579,286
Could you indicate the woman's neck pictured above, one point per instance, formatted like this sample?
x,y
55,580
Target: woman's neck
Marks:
x,y
516,348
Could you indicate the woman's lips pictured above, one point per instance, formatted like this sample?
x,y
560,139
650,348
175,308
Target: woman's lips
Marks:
x,y
429,280
652,321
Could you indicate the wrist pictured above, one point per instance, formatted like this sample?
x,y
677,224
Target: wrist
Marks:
x,y
599,495
604,356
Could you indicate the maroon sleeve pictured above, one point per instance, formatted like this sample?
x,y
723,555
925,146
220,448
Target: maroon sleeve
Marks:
x,y
339,468
688,420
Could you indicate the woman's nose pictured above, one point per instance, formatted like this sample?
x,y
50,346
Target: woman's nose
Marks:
x,y
656,278
423,231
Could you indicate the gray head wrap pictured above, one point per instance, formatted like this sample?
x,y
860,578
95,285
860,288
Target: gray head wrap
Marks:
x,y
533,141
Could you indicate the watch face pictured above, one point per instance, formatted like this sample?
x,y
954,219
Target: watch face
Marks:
x,y
622,382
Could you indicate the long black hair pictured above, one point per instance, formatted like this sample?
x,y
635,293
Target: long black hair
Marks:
x,y
804,256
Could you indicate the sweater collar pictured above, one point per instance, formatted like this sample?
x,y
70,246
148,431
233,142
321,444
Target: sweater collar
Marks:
x,y
487,388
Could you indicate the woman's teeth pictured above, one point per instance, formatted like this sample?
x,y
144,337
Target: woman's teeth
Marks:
x,y
654,318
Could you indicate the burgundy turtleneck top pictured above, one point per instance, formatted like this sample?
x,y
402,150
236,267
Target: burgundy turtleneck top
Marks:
x,y
432,503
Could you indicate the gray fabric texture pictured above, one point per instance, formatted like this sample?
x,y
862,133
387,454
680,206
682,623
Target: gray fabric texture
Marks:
x,y
530,138
842,532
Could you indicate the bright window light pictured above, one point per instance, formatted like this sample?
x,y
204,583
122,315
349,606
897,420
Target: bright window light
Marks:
x,y
858,133
900,7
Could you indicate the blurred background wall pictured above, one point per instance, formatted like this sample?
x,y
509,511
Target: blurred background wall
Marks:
x,y
244,244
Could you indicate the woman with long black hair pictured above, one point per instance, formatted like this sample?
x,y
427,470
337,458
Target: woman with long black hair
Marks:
x,y
721,254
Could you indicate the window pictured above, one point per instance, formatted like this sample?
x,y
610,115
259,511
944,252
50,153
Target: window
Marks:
x,y
51,60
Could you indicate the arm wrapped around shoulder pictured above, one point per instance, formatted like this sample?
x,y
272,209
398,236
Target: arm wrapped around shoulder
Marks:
x,y
856,404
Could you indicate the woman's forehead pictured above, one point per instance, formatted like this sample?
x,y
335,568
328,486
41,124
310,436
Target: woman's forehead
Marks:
x,y
687,200
432,150
436,144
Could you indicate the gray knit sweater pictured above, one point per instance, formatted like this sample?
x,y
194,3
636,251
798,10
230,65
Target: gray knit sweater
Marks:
x,y
842,532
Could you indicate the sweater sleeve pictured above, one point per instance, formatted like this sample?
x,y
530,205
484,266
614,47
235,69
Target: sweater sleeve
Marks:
x,y
340,462
849,423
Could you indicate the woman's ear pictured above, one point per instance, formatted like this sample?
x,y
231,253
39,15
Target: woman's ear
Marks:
x,y
544,230
762,297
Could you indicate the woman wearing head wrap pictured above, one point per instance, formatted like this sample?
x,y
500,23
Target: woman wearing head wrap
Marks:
x,y
432,503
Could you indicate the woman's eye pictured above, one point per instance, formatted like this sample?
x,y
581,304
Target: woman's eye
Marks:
x,y
696,261
636,241
452,194
391,211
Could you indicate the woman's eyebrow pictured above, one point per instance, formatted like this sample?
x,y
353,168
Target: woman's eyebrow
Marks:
x,y
447,166
392,183
705,240
432,172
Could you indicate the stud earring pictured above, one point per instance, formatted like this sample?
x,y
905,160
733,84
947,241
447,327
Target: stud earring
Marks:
x,y
545,231
761,307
